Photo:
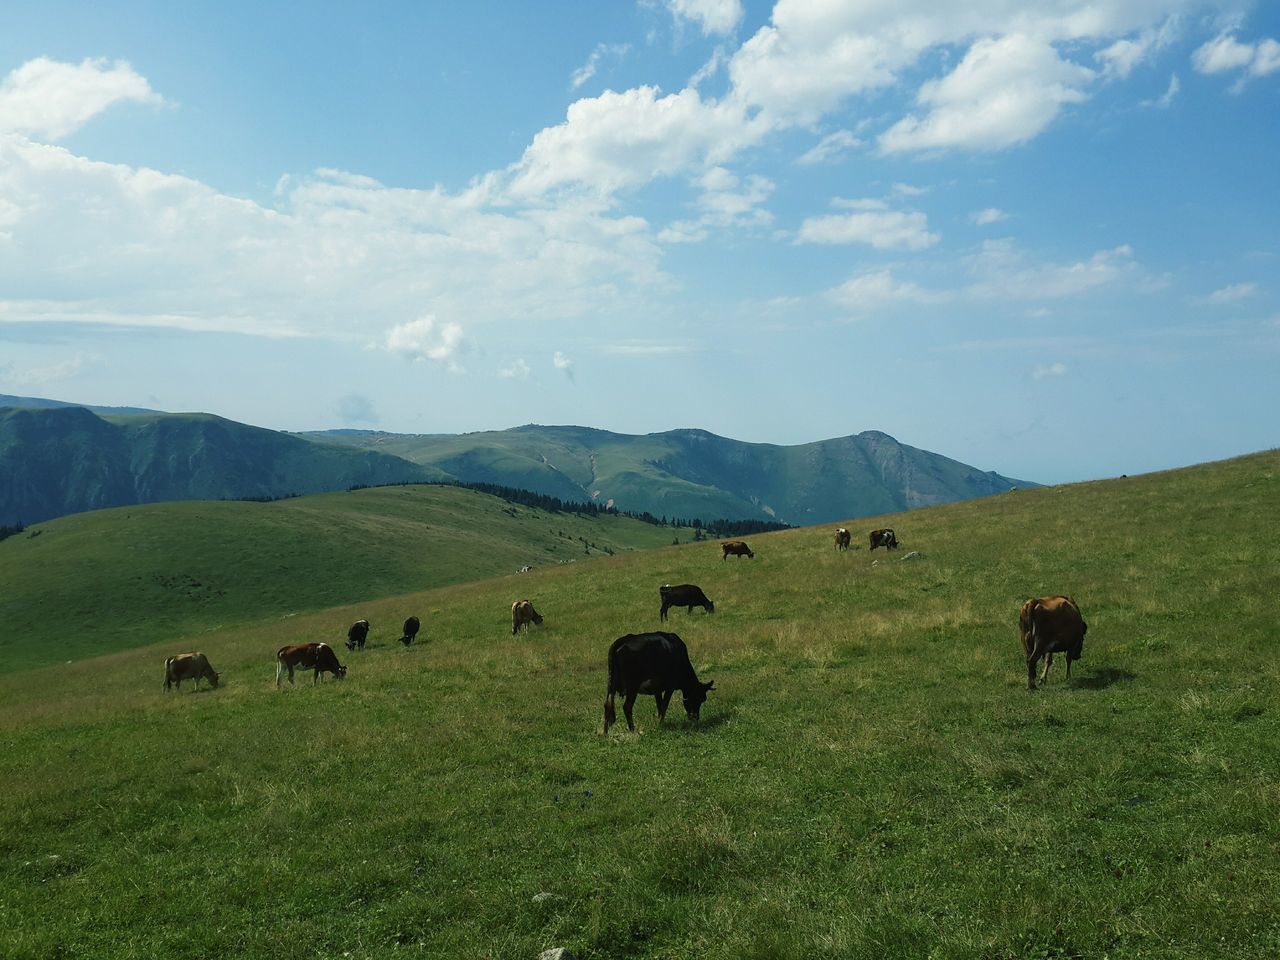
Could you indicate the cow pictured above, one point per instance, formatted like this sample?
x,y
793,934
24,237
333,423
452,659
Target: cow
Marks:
x,y
884,538
843,538
526,568
411,628
685,595
656,663
522,613
1047,625
735,547
189,666
356,635
309,656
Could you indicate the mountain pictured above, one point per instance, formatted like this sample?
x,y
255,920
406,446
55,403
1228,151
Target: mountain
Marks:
x,y
65,459
693,473
40,403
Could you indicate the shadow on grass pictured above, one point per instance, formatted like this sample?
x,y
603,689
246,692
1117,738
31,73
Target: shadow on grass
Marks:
x,y
1101,679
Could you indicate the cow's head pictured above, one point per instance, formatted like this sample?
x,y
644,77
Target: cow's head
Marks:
x,y
213,678
695,697
341,673
711,607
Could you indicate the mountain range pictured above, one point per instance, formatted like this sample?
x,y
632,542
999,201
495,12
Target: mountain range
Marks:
x,y
58,458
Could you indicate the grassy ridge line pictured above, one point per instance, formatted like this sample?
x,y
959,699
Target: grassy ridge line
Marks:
x,y
871,778
88,584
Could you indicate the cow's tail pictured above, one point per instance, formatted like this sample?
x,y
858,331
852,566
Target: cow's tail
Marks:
x,y
167,682
1027,625
610,715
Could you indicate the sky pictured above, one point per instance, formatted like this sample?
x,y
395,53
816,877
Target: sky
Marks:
x,y
1038,236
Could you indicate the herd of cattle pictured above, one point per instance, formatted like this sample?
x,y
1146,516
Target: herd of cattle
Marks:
x,y
658,663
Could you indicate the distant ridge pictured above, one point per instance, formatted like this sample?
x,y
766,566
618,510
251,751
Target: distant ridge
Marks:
x,y
40,403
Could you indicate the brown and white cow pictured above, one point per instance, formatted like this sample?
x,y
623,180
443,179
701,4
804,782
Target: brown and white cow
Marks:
x,y
522,613
189,666
1046,626
735,547
884,538
308,656
843,538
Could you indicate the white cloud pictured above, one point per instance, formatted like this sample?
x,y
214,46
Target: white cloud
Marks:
x,y
356,408
62,370
684,231
563,364
881,229
1233,293
589,69
1041,371
712,16
1003,273
1004,92
427,339
1166,99
1222,53
635,348
908,190
49,100
1120,58
832,147
728,201
871,291
517,370
988,216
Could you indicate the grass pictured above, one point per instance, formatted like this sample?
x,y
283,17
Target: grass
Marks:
x,y
92,583
870,777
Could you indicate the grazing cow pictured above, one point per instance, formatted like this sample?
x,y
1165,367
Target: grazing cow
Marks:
x,y
686,595
411,628
522,613
189,666
735,547
357,634
656,663
1047,625
309,656
843,538
884,538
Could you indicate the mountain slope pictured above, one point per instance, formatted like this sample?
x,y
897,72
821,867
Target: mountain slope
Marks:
x,y
107,580
693,473
60,460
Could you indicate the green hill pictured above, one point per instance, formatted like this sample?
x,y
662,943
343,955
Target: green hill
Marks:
x,y
870,777
60,460
101,581
693,473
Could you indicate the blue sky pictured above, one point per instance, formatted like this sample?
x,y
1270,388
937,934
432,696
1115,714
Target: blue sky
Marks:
x,y
1040,238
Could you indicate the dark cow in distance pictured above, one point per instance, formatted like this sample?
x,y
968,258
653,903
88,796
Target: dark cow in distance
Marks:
x,y
308,656
1046,626
656,663
843,538
522,614
189,666
357,634
737,548
411,628
884,538
686,595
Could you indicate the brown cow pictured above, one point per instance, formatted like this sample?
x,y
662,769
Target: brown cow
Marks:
x,y
309,656
1047,625
843,538
522,613
884,538
189,666
735,547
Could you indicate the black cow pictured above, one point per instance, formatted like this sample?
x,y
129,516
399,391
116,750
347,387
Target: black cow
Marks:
x,y
884,538
411,628
685,595
357,634
656,663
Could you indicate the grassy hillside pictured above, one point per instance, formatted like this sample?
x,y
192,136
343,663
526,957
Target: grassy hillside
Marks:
x,y
60,460
97,582
693,473
870,778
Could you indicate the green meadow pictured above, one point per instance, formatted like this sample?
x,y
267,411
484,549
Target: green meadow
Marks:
x,y
870,776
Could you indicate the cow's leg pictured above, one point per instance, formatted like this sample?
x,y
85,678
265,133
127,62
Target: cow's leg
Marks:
x,y
1068,656
1032,658
1048,662
663,612
627,704
663,699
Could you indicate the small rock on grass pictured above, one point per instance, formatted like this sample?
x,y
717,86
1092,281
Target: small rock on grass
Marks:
x,y
557,953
